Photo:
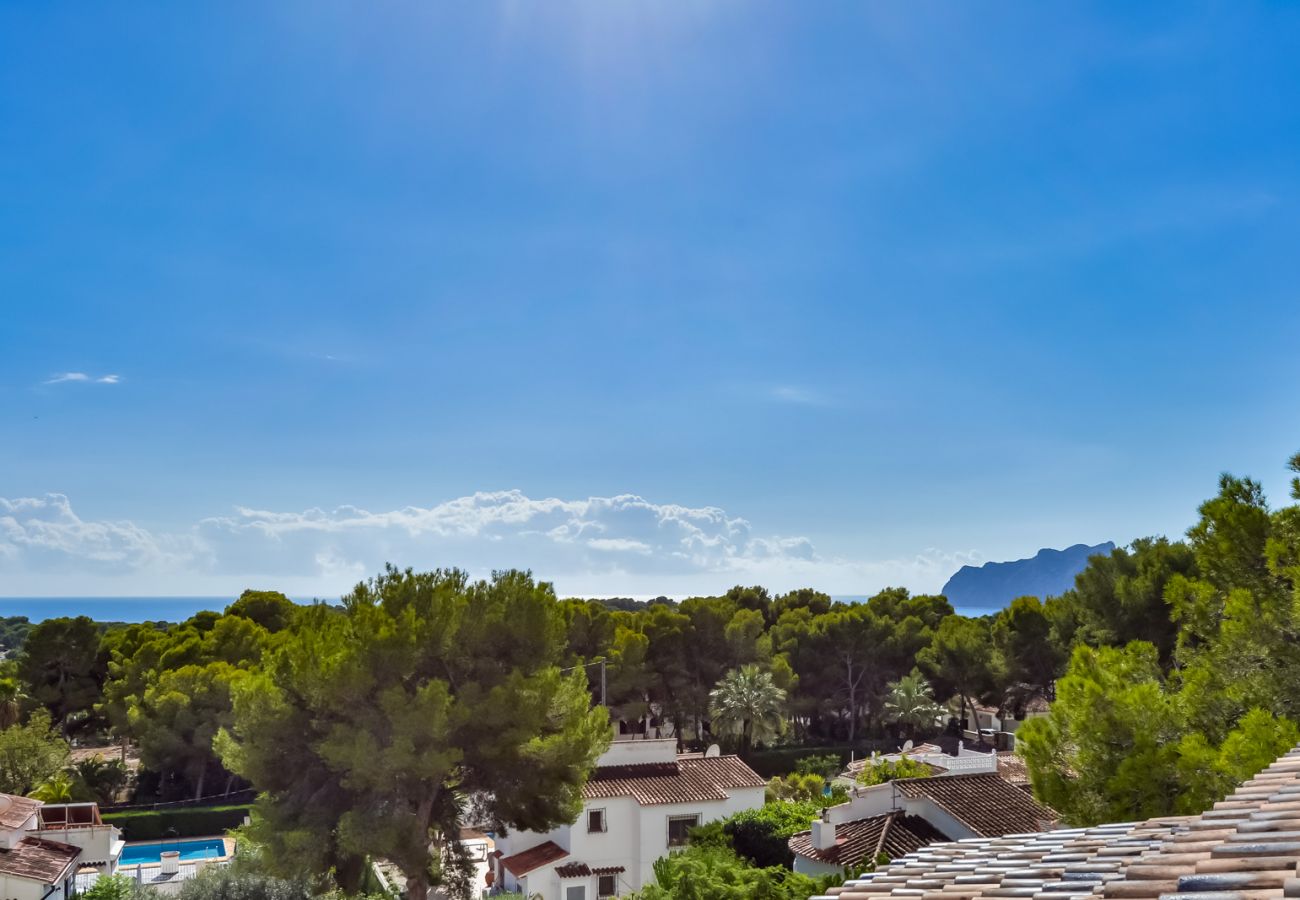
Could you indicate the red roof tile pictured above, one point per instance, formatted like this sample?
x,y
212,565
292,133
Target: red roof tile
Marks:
x,y
1012,768
689,779
15,811
520,864
38,859
984,803
862,840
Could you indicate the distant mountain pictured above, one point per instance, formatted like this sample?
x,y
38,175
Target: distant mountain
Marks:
x,y
994,585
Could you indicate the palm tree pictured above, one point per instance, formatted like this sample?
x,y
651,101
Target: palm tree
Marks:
x,y
57,789
910,702
11,697
748,703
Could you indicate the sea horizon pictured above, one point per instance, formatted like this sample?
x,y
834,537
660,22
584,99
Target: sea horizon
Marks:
x,y
177,608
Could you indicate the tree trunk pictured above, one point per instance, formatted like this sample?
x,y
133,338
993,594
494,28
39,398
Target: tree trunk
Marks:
x,y
198,788
417,888
853,701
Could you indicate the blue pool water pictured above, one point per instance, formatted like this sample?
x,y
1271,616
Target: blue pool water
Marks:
x,y
134,854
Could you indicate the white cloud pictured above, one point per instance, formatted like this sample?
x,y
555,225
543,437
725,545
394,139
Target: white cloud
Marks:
x,y
66,377
44,532
623,544
788,393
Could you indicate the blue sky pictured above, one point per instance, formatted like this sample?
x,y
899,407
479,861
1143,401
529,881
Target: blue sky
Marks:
x,y
846,294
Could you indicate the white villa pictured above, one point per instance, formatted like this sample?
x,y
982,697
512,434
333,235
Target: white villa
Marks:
x,y
967,797
640,803
43,845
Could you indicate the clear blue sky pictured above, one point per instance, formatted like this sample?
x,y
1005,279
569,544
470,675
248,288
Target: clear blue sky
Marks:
x,y
847,293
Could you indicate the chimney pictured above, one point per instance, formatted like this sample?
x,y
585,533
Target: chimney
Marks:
x,y
823,835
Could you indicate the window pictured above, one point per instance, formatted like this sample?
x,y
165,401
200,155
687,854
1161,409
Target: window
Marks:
x,y
595,820
575,892
608,886
679,827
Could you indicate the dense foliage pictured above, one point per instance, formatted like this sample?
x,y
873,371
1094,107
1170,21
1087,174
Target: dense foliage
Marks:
x,y
1185,675
715,873
367,729
885,770
1172,669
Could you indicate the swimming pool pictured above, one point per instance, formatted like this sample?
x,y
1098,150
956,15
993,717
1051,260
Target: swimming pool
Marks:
x,y
207,848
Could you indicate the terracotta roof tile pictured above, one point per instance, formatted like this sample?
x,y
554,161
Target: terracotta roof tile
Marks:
x,y
1012,768
38,859
983,802
1246,848
859,841
15,811
520,864
689,779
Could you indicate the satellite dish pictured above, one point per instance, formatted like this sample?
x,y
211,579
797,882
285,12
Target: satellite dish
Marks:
x,y
907,746
714,750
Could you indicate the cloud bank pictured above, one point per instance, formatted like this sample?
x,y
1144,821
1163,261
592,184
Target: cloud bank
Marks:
x,y
620,545
66,377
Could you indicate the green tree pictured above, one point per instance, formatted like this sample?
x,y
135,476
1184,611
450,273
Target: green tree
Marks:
x,y
60,666
178,717
960,659
713,873
365,731
1028,658
848,641
1120,597
269,609
747,703
30,754
1118,744
910,703
103,778
11,694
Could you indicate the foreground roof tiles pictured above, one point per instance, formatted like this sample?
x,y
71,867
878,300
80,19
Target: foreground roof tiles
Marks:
x,y
688,780
856,842
984,802
38,859
520,864
1246,847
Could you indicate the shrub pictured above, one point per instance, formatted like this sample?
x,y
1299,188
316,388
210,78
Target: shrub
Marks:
x,y
800,788
762,835
721,875
191,821
223,884
885,770
116,887
827,765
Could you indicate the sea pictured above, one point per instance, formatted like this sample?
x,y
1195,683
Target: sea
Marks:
x,y
177,609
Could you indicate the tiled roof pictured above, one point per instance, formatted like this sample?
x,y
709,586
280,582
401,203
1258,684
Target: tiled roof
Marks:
x,y
520,864
582,870
862,840
38,859
1012,768
688,780
15,811
1246,847
982,802
1053,865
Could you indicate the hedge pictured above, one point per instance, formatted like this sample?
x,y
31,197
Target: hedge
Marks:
x,y
192,821
782,760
